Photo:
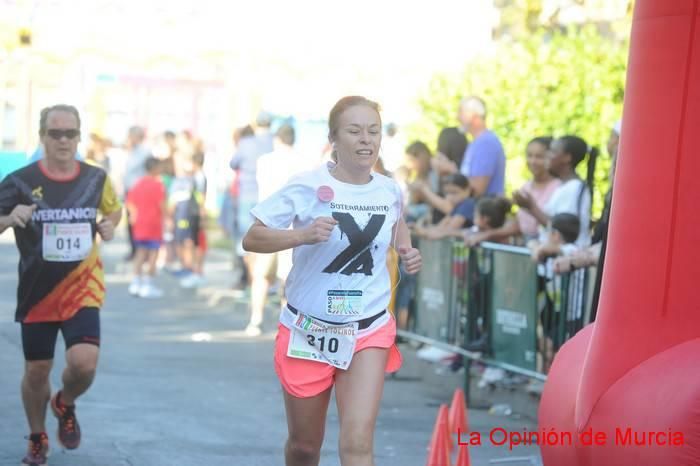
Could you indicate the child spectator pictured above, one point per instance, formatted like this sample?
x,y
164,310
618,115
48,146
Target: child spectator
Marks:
x,y
185,212
146,204
200,192
457,192
564,229
563,232
490,213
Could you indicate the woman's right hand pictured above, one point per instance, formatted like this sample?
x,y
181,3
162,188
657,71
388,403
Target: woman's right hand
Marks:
x,y
320,230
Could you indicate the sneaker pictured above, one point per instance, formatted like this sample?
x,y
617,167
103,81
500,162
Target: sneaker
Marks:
x,y
37,451
192,281
435,354
535,387
135,286
274,288
253,331
491,376
68,427
179,273
148,290
479,345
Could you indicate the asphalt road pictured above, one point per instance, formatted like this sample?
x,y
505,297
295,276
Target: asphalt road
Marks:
x,y
179,384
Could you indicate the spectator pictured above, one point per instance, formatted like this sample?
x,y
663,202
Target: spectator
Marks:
x,y
595,254
560,241
452,143
245,161
135,170
541,187
146,203
458,193
263,135
561,238
230,221
426,189
484,161
424,185
491,213
200,251
167,172
185,213
273,172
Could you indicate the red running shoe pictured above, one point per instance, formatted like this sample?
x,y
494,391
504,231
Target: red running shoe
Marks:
x,y
68,427
38,451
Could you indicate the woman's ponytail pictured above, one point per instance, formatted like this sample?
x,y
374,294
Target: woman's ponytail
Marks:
x,y
593,153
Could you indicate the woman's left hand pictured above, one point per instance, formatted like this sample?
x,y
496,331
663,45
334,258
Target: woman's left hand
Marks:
x,y
523,199
411,259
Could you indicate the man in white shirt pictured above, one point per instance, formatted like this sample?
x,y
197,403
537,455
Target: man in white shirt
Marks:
x,y
273,171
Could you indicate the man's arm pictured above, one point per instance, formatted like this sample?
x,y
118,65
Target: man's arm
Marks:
x,y
479,185
483,166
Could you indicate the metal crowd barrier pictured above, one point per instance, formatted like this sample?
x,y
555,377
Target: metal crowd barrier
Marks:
x,y
493,304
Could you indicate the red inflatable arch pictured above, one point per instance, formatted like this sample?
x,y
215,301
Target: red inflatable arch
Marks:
x,y
635,373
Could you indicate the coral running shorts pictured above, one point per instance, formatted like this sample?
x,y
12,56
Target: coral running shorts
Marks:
x,y
304,378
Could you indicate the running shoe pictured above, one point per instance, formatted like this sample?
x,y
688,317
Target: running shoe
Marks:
x,y
148,290
38,451
68,427
192,281
135,286
253,330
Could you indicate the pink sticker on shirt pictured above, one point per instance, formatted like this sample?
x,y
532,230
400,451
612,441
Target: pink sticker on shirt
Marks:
x,y
325,193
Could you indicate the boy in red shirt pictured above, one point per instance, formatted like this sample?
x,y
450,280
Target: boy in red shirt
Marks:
x,y
146,204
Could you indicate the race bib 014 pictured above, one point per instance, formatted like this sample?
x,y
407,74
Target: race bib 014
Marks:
x,y
66,242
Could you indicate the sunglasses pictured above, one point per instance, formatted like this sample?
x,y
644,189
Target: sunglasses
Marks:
x,y
57,134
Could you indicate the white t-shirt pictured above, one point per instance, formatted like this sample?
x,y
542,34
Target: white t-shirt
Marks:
x,y
565,200
344,279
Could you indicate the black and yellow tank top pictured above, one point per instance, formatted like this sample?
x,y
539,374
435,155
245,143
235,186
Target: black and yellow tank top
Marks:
x,y
60,271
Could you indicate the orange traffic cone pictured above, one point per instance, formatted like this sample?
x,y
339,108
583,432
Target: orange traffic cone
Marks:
x,y
457,418
439,452
463,456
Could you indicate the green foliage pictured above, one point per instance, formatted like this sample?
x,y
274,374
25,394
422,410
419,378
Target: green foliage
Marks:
x,y
548,84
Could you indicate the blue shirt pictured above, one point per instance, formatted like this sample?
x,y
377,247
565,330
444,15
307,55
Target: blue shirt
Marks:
x,y
466,210
485,157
